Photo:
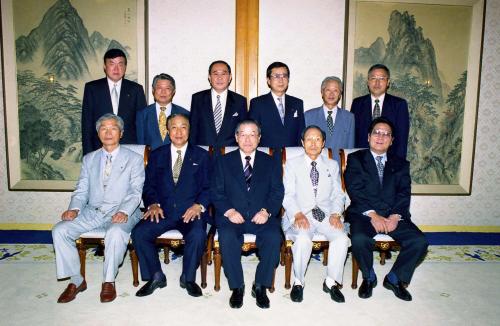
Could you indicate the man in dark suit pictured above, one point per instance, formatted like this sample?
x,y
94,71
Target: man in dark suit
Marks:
x,y
280,115
247,192
215,112
379,103
379,186
176,192
151,122
112,94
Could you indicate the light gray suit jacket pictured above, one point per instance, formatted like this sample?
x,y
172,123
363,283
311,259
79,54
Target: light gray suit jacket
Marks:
x,y
124,189
343,131
299,193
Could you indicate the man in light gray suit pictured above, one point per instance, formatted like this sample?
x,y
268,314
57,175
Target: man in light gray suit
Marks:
x,y
314,202
107,196
337,123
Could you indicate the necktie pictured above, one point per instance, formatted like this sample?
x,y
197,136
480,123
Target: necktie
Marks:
x,y
329,122
114,99
281,110
162,123
218,115
380,168
317,213
376,110
177,166
247,171
107,169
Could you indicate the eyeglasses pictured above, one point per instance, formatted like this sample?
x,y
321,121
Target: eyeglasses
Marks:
x,y
279,76
381,133
374,79
313,139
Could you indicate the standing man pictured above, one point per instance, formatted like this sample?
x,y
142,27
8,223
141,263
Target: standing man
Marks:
x,y
314,202
151,122
337,123
107,195
176,193
378,103
280,115
379,186
215,112
112,94
247,192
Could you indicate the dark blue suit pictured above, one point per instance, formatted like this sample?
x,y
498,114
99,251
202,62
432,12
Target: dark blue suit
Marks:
x,y
263,109
229,190
97,102
203,131
392,197
395,109
192,187
148,132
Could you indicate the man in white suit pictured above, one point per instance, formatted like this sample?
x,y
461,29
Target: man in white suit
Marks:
x,y
314,202
337,123
107,196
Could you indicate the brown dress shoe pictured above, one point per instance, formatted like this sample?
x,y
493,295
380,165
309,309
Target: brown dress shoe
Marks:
x,y
71,291
108,292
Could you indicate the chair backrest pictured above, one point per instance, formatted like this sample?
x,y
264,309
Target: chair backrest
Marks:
x,y
289,153
142,150
228,149
344,153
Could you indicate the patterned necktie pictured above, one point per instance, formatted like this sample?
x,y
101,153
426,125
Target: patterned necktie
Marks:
x,y
162,123
218,115
177,166
329,122
376,110
281,110
380,168
317,213
247,171
107,169
114,99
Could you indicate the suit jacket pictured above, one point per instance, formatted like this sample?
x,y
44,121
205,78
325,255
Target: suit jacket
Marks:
x,y
263,109
202,122
343,130
124,189
229,188
395,109
97,102
192,187
148,132
366,193
299,193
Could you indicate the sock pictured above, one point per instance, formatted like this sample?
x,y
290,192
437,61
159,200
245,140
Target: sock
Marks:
x,y
392,278
159,276
76,280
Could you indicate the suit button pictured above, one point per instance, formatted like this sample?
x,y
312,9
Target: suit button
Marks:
x,y
175,205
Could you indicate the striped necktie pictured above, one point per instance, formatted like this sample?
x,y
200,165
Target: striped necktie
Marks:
x,y
247,171
218,115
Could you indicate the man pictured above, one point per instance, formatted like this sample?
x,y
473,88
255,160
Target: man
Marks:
x,y
176,193
151,122
314,202
337,123
107,196
247,193
215,112
280,115
379,103
112,94
379,186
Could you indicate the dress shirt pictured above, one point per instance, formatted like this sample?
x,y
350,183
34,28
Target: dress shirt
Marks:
x,y
384,159
104,153
380,102
244,161
309,166
223,100
111,85
173,153
275,97
168,110
334,113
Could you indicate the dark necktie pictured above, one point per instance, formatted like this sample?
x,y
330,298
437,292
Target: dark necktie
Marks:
x,y
329,122
376,110
317,213
247,171
380,168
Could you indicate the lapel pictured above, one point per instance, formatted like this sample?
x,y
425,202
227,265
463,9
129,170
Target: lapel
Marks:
x,y
119,163
228,113
187,163
207,103
168,166
153,121
320,118
371,167
258,170
96,173
124,97
387,107
236,168
290,110
275,116
106,97
304,176
324,176
389,170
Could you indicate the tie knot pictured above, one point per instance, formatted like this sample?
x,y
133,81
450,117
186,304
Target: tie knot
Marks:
x,y
248,158
379,159
163,108
179,152
218,97
280,100
330,112
376,101
313,163
109,157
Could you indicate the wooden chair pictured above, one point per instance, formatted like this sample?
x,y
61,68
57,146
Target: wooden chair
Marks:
x,y
383,242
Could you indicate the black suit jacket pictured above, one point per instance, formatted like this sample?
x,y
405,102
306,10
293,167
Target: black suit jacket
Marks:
x,y
202,131
366,193
97,102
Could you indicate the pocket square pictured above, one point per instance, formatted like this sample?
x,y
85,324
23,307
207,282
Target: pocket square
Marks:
x,y
296,114
235,114
194,163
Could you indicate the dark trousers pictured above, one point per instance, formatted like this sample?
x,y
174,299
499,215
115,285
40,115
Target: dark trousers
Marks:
x,y
144,240
412,241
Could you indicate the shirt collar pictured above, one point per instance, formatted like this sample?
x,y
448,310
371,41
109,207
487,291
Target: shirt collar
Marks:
x,y
252,157
384,156
113,153
111,83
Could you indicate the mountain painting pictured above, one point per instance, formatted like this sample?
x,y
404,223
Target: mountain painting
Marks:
x,y
426,48
59,46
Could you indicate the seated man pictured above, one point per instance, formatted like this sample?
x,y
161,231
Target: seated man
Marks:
x,y
247,192
314,202
107,195
379,186
176,192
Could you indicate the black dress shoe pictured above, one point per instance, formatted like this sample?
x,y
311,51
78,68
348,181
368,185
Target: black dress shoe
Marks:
x,y
192,288
297,294
399,290
150,287
236,300
259,293
365,290
335,293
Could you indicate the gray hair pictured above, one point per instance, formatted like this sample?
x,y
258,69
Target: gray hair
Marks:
x,y
332,79
109,116
163,76
247,122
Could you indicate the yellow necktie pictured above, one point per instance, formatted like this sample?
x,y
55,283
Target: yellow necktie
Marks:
x,y
162,123
177,167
